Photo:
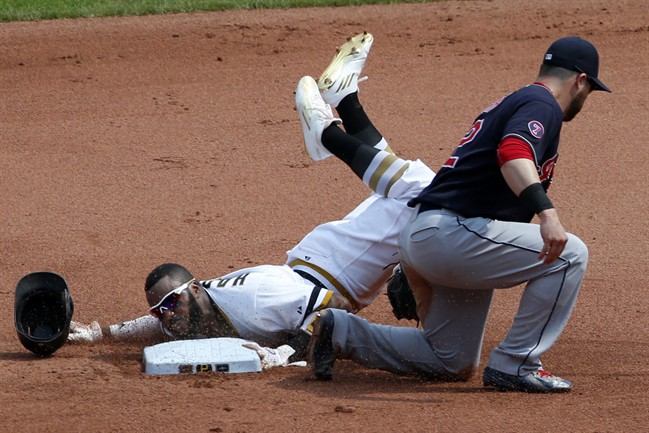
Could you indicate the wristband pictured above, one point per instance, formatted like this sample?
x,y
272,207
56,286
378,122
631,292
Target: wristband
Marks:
x,y
535,198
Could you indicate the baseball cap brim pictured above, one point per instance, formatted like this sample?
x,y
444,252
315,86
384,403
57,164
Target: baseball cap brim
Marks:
x,y
599,85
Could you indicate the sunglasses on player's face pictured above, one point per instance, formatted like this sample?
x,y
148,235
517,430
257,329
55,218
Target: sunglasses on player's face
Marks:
x,y
169,301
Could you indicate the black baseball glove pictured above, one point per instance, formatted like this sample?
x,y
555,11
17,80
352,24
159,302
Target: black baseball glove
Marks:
x,y
400,296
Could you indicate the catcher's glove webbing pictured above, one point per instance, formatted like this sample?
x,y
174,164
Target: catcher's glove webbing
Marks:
x,y
400,296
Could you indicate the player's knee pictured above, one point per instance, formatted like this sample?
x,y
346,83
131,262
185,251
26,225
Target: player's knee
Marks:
x,y
455,367
462,373
451,374
577,252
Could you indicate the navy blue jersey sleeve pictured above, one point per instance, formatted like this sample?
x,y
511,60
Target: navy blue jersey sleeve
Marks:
x,y
471,183
535,122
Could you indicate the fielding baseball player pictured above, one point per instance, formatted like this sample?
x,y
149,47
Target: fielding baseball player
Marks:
x,y
342,264
472,234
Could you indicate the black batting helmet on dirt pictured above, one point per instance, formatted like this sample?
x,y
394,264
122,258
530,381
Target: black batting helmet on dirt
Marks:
x,y
42,311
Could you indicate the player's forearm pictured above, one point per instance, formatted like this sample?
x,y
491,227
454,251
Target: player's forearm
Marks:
x,y
143,329
519,174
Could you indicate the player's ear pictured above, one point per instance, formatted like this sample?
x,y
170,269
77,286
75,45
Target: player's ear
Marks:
x,y
581,81
196,289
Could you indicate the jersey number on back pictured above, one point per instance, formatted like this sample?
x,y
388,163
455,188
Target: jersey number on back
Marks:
x,y
468,137
222,282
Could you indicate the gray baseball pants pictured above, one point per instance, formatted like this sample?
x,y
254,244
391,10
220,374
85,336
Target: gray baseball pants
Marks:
x,y
453,265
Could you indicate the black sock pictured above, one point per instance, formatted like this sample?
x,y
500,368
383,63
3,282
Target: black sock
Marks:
x,y
352,151
356,121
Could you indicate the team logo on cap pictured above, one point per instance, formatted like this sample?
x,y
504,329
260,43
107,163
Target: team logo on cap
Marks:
x,y
536,128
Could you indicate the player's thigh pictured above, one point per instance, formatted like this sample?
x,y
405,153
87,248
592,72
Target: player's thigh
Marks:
x,y
504,254
430,247
474,253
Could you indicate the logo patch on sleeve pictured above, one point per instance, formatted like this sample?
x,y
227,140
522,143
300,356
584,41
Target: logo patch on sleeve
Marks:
x,y
536,128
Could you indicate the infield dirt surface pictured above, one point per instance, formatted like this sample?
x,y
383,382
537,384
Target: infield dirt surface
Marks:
x,y
129,142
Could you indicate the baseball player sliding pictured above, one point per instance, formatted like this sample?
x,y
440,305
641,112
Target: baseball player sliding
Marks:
x,y
471,234
341,264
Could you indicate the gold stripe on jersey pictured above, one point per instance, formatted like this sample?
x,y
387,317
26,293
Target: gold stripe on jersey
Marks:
x,y
325,301
328,277
309,328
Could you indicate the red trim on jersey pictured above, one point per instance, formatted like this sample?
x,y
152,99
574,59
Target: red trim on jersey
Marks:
x,y
513,148
538,83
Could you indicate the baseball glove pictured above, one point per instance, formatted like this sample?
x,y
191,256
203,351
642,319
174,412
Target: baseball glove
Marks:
x,y
400,296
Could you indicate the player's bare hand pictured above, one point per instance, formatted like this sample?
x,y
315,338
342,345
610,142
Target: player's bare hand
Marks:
x,y
85,334
553,234
273,357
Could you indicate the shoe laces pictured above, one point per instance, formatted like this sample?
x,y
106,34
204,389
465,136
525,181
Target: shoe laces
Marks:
x,y
325,114
323,109
544,374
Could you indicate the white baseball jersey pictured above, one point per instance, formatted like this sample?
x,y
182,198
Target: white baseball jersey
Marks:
x,y
266,303
354,256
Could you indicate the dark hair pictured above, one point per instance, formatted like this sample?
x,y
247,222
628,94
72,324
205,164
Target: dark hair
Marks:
x,y
174,271
556,71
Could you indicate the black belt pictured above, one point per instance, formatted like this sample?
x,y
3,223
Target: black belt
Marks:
x,y
309,277
315,293
324,274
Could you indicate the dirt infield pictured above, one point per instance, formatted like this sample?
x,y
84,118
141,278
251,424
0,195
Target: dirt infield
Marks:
x,y
129,142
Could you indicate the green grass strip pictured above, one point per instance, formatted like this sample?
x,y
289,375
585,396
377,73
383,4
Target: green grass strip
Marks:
x,y
31,10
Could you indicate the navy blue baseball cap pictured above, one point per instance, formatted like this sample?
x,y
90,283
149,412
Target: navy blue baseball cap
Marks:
x,y
576,54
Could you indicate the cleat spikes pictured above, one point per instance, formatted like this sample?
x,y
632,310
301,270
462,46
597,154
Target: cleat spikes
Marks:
x,y
343,74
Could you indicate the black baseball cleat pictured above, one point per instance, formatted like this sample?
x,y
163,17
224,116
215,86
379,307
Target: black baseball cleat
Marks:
x,y
539,381
321,353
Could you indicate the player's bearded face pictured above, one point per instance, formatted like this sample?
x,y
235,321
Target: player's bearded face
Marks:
x,y
573,109
577,103
186,319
